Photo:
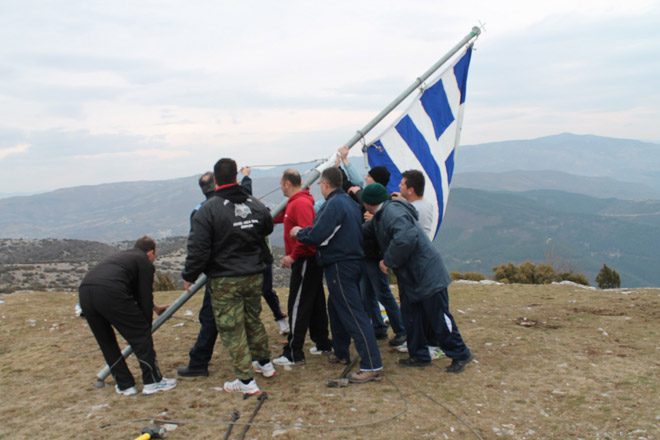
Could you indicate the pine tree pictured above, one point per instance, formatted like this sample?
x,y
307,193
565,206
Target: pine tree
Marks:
x,y
608,278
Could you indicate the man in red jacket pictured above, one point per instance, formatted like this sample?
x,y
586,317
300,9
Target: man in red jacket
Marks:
x,y
306,306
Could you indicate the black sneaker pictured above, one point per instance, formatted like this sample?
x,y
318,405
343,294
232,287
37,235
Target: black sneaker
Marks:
x,y
187,371
412,362
457,366
380,336
397,340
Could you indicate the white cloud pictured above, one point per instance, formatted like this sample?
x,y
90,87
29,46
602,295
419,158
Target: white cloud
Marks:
x,y
16,149
267,81
150,153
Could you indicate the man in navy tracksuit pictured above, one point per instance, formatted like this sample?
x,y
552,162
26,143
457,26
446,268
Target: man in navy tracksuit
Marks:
x,y
337,234
421,275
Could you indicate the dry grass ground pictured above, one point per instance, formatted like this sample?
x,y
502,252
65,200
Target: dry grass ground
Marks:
x,y
554,362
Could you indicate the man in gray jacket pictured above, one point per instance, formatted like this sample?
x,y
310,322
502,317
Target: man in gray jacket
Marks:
x,y
421,275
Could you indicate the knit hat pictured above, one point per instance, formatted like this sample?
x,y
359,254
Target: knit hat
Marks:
x,y
380,175
374,194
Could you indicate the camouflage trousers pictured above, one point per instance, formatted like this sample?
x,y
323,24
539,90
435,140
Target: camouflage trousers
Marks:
x,y
236,305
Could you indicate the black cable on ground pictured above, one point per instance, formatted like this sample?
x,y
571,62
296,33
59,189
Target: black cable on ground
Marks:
x,y
302,426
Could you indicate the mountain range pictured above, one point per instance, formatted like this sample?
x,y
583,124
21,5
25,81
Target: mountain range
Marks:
x,y
575,200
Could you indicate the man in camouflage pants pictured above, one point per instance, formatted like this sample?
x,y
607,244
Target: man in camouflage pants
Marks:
x,y
227,241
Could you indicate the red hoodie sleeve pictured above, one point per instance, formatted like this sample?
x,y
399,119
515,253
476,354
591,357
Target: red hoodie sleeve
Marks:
x,y
303,216
279,218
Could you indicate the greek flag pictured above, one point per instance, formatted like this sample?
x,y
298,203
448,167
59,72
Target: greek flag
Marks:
x,y
426,136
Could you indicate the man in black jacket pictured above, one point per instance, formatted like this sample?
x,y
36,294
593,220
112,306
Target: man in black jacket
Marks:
x,y
202,351
227,242
118,292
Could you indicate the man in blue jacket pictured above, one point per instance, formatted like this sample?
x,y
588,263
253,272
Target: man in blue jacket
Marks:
x,y
337,234
421,275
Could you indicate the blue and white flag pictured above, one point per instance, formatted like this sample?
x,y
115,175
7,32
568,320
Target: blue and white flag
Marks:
x,y
425,138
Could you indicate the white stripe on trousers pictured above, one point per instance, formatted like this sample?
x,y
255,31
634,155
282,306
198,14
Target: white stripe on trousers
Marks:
x,y
296,304
364,338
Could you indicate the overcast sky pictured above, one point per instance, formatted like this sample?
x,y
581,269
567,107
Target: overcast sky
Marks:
x,y
94,92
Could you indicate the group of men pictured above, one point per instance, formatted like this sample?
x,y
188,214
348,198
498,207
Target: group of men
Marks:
x,y
354,239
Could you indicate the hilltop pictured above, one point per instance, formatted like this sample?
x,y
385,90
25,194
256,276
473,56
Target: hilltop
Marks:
x,y
552,362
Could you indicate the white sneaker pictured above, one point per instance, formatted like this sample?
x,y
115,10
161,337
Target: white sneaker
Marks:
x,y
267,370
127,392
236,386
314,350
435,352
284,326
285,361
403,348
164,385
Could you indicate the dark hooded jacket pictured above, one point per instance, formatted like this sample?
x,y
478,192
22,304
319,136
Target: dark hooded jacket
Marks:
x,y
227,236
407,250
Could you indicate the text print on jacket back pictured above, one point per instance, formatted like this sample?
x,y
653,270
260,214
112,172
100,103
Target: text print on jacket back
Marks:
x,y
241,210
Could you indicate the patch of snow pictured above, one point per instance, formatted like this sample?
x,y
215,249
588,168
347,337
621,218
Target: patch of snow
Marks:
x,y
571,283
490,283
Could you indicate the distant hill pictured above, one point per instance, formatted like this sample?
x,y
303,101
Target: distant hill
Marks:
x,y
543,207
585,155
572,231
527,180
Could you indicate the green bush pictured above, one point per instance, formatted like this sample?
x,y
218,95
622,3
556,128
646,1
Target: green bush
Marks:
x,y
608,278
530,273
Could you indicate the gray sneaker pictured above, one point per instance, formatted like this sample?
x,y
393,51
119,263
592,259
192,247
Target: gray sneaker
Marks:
x,y
131,391
156,387
267,370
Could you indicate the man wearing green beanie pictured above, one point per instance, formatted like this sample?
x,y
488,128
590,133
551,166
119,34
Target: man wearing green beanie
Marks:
x,y
421,275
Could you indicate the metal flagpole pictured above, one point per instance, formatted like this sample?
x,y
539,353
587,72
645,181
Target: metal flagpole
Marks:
x,y
316,173
311,178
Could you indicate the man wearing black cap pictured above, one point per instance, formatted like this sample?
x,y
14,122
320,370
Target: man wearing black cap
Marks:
x,y
374,284
421,275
